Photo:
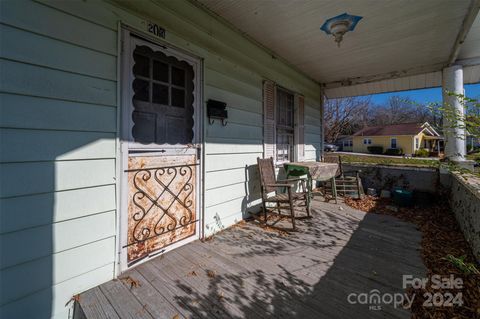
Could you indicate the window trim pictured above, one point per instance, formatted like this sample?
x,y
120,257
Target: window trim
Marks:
x,y
284,129
367,141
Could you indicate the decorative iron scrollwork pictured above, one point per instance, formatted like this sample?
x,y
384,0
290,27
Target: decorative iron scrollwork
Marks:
x,y
164,180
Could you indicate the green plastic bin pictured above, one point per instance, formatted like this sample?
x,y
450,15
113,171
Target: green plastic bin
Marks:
x,y
402,197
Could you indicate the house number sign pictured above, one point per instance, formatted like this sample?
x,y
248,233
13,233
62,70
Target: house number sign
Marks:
x,y
156,30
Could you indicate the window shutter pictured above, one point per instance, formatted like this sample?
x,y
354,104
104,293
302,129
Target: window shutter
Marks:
x,y
269,119
300,127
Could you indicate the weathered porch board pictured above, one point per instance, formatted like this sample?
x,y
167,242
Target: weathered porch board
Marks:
x,y
250,272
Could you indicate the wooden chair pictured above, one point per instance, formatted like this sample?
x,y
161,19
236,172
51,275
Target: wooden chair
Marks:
x,y
270,190
347,183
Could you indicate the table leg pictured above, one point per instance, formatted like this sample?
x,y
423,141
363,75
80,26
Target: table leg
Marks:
x,y
287,176
334,190
309,190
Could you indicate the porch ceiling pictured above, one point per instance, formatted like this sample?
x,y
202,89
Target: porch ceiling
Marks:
x,y
394,39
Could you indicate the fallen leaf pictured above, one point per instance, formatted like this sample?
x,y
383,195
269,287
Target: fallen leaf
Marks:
x,y
132,282
192,273
211,273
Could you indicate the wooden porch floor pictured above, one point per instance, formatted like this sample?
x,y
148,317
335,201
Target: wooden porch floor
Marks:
x,y
249,272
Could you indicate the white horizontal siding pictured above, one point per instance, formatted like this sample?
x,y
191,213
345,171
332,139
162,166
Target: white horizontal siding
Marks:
x,y
21,111
56,54
227,161
56,24
32,80
243,176
40,145
229,83
32,243
233,130
68,264
58,129
20,179
17,213
228,213
233,146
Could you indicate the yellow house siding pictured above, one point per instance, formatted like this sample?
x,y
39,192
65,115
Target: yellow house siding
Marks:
x,y
405,142
421,137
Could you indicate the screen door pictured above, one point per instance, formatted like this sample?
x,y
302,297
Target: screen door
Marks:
x,y
161,149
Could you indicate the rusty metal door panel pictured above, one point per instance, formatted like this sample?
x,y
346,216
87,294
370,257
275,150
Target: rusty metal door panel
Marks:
x,y
161,203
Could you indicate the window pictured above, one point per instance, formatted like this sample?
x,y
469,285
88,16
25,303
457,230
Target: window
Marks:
x,y
163,98
367,141
417,142
347,143
393,143
285,126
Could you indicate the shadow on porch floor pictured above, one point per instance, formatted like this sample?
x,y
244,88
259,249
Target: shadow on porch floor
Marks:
x,y
250,272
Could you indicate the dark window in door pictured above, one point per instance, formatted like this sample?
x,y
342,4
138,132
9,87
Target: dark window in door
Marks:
x,y
163,98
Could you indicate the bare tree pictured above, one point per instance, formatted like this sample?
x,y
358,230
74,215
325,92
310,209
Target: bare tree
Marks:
x,y
345,116
399,110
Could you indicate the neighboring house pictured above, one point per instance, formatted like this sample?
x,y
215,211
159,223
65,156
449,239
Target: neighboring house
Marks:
x,y
345,143
409,137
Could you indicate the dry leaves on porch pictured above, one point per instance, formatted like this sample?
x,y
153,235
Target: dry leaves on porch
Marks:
x,y
441,238
275,230
131,282
260,221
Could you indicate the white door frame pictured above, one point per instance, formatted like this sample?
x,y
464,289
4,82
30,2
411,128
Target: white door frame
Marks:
x,y
129,36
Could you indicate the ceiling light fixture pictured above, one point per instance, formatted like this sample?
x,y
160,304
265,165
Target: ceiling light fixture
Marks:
x,y
339,25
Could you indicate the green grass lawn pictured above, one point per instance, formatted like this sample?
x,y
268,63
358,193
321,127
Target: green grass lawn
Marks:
x,y
397,161
474,157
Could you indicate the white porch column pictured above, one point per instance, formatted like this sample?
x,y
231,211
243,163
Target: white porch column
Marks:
x,y
455,143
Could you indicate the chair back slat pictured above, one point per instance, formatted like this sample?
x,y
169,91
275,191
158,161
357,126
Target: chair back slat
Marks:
x,y
267,173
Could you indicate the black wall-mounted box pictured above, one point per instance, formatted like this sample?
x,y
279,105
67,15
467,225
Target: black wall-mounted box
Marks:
x,y
217,110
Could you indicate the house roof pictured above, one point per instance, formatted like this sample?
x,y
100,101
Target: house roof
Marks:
x,y
396,129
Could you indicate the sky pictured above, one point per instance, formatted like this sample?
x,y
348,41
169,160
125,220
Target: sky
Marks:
x,y
425,96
